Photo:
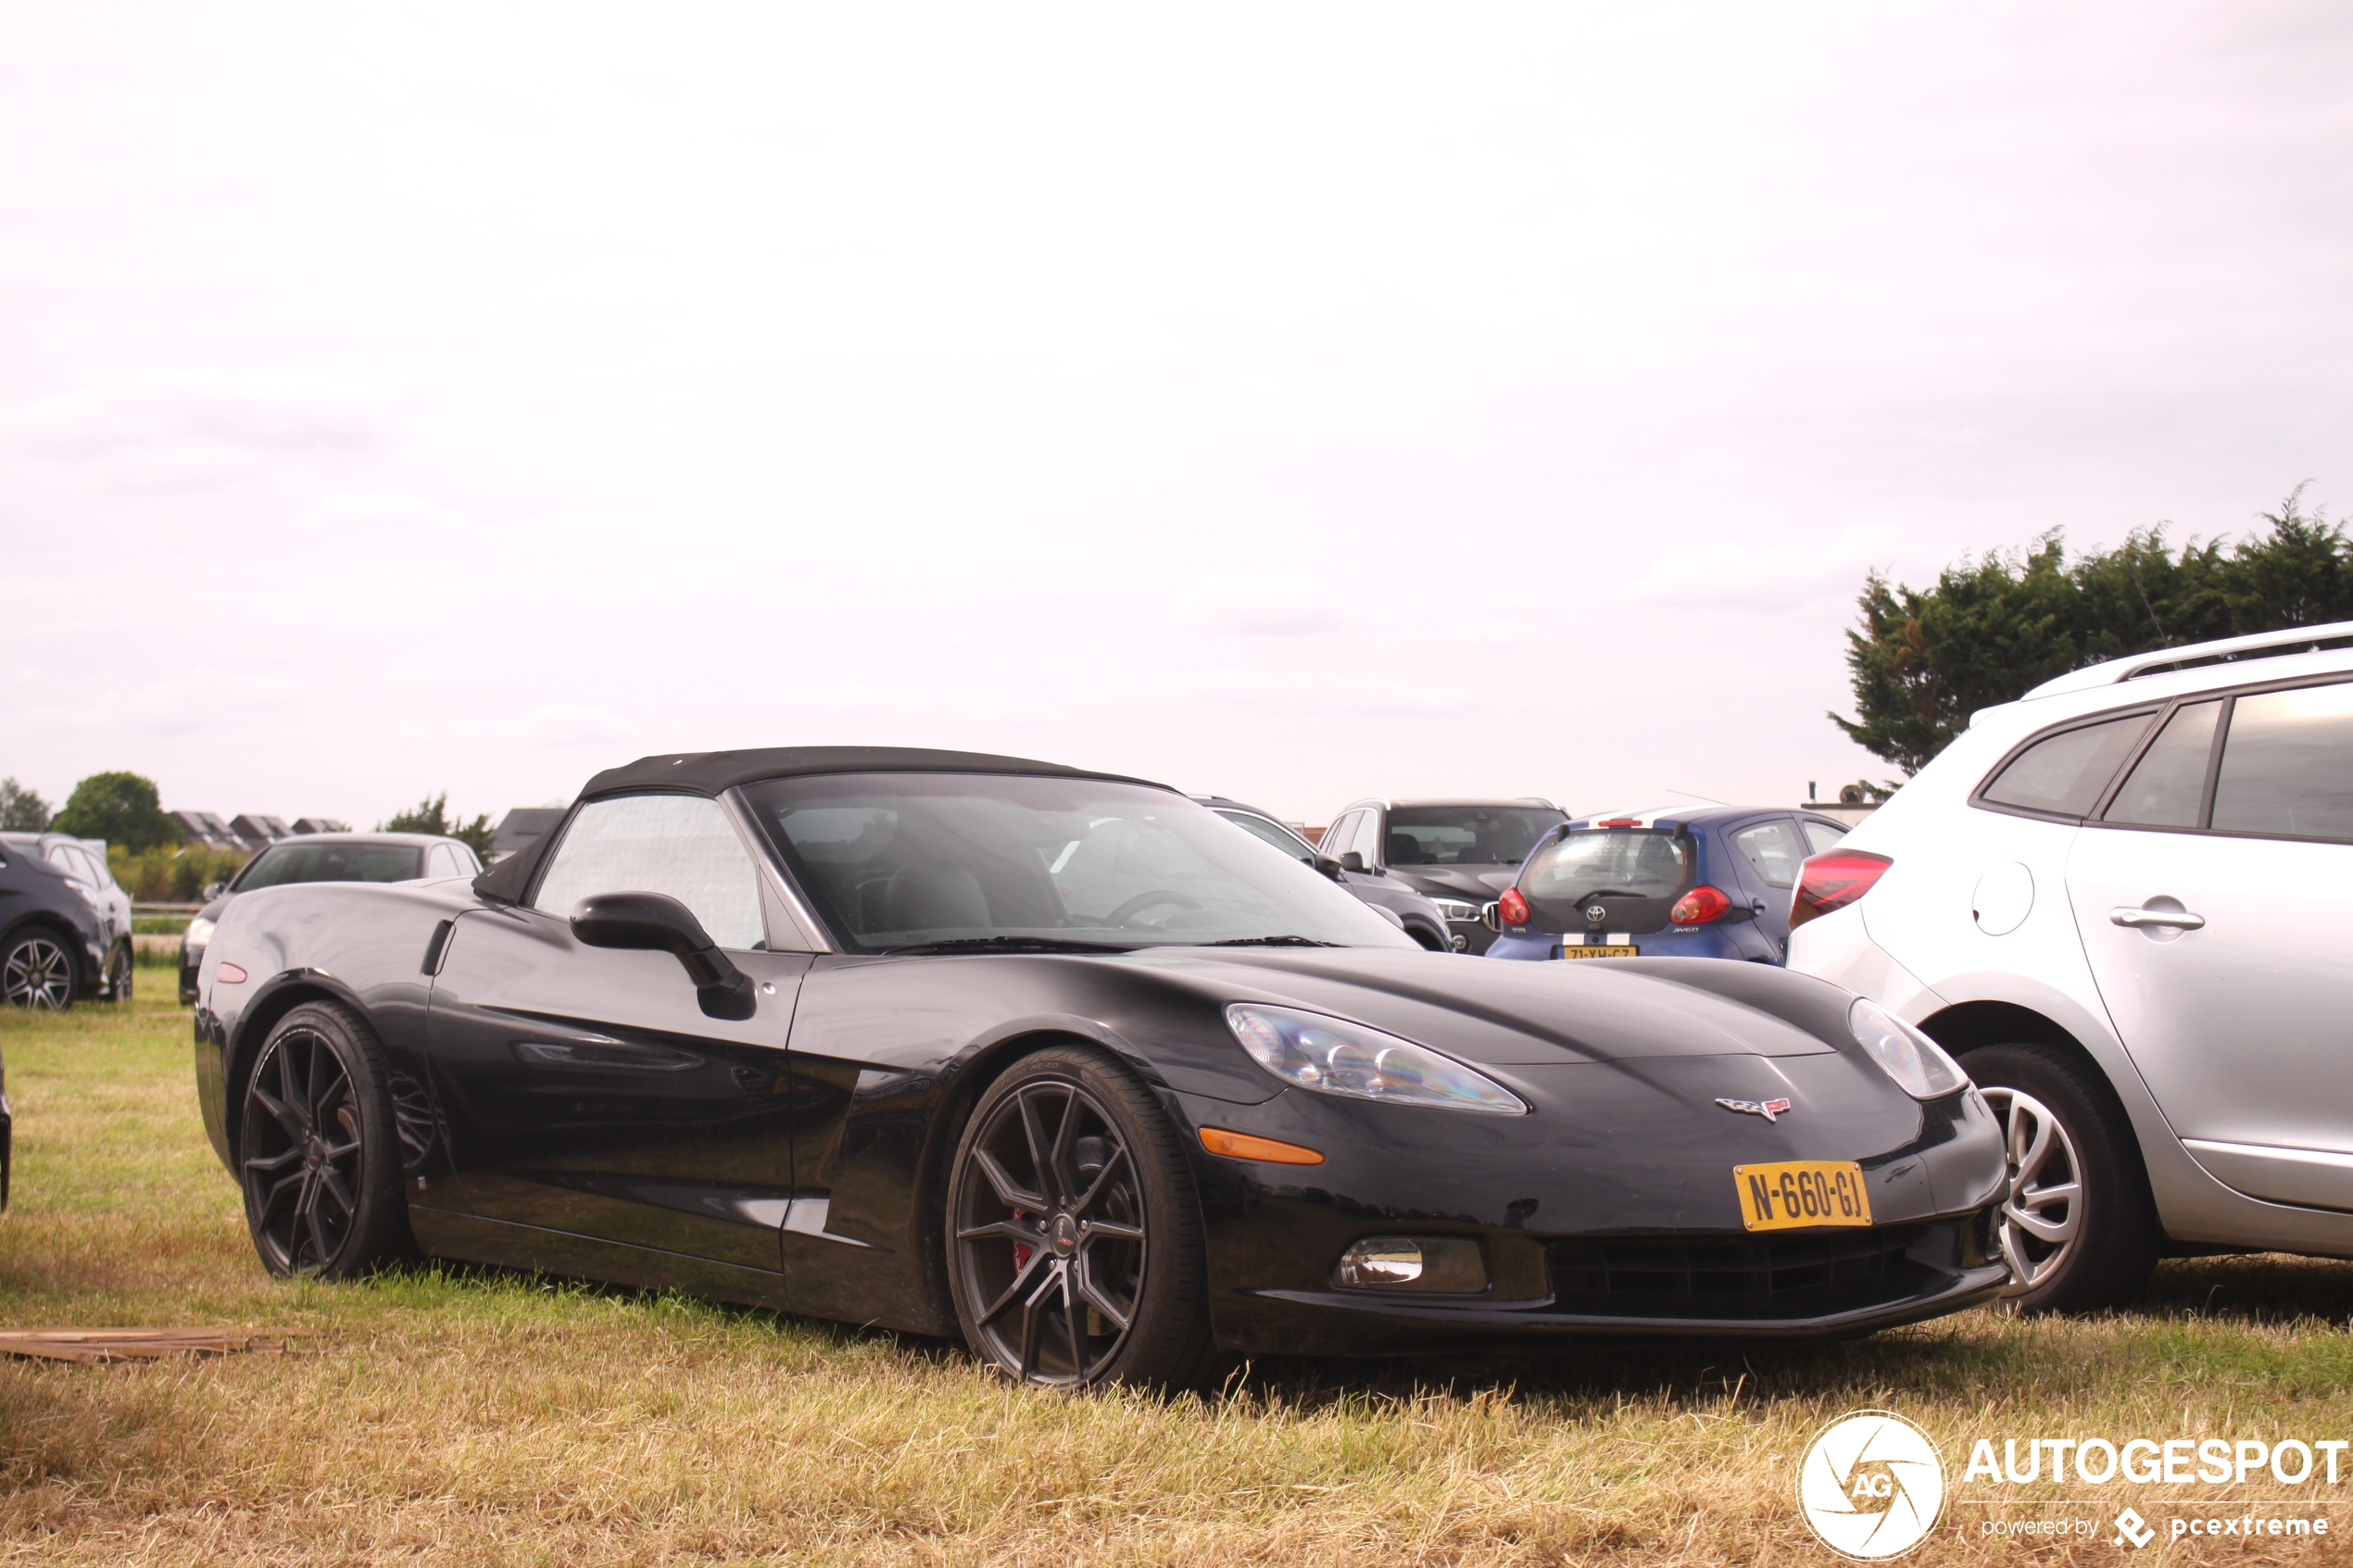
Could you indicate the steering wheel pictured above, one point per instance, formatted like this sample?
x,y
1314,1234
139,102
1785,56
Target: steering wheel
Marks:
x,y
1121,915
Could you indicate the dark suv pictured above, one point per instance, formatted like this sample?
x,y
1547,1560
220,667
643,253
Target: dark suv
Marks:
x,y
1458,854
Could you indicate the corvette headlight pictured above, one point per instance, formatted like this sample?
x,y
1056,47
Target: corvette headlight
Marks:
x,y
1332,1056
199,932
1918,1064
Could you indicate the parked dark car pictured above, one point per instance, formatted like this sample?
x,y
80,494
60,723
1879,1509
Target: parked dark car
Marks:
x,y
55,942
1420,919
1064,1064
1458,854
84,861
326,856
1708,883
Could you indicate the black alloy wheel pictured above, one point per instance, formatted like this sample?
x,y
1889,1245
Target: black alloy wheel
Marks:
x,y
319,1155
36,971
2077,1223
1074,1237
119,975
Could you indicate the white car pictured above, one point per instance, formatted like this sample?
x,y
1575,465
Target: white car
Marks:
x,y
2125,902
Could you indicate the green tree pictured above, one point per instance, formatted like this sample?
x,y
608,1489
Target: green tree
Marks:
x,y
121,809
431,815
1994,627
21,809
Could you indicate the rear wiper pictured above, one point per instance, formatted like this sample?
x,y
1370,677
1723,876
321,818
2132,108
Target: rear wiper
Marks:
x,y
1009,945
1267,942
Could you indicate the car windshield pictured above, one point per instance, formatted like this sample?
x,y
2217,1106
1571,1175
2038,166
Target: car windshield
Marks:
x,y
1466,835
909,859
1632,860
283,863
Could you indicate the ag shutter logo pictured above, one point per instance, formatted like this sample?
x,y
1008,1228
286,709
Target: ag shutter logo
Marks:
x,y
1871,1486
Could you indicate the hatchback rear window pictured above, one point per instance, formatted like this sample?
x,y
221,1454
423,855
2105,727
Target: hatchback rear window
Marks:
x,y
2063,774
1642,862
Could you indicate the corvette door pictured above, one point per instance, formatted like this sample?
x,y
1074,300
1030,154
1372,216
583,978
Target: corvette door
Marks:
x,y
2214,900
585,1090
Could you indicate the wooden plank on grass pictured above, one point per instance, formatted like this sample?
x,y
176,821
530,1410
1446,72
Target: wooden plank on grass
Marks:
x,y
139,1344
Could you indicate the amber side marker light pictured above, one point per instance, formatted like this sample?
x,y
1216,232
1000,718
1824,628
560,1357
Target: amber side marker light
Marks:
x,y
1241,1146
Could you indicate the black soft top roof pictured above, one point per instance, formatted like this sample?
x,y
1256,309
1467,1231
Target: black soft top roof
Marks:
x,y
709,773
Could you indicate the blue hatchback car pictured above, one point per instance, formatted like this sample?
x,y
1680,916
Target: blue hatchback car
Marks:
x,y
1711,884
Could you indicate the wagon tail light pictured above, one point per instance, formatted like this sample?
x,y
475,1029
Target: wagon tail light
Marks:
x,y
1834,879
1511,908
1700,905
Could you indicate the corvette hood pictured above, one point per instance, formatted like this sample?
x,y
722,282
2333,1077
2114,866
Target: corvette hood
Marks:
x,y
1502,1014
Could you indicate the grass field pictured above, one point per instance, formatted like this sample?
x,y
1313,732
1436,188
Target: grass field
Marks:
x,y
460,1419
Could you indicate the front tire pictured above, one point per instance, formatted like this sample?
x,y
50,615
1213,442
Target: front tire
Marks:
x,y
319,1153
2077,1223
119,973
1075,1249
36,971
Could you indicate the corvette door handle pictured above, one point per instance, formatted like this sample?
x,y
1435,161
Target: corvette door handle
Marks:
x,y
2178,920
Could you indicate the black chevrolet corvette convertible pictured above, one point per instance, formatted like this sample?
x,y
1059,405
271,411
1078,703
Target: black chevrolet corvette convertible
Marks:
x,y
1066,1064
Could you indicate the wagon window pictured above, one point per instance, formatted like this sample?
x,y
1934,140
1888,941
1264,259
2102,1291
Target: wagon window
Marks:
x,y
2063,774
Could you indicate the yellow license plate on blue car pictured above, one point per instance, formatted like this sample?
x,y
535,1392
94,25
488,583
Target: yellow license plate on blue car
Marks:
x,y
1792,1193
1621,950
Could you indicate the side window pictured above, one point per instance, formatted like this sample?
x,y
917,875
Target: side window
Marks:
x,y
2063,774
443,861
1821,836
2287,764
1368,838
1340,837
681,845
1258,827
1772,848
465,859
2167,784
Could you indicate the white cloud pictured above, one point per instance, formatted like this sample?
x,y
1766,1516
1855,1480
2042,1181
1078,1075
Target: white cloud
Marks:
x,y
386,516
572,724
180,411
1275,604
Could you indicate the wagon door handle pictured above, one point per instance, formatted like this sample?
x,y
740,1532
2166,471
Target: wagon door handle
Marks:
x,y
2177,919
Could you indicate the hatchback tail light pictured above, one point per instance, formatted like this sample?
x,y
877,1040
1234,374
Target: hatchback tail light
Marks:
x,y
1834,879
1700,905
1511,908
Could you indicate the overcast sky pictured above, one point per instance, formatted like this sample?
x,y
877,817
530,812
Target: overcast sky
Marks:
x,y
1292,403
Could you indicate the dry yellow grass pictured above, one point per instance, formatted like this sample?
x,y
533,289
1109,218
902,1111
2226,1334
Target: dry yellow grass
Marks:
x,y
451,1417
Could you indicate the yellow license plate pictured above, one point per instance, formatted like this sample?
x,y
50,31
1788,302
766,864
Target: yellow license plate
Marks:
x,y
1795,1193
1626,951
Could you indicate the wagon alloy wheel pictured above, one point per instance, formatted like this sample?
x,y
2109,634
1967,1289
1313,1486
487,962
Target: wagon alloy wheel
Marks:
x,y
2076,1222
1074,1244
319,1157
37,972
2044,1207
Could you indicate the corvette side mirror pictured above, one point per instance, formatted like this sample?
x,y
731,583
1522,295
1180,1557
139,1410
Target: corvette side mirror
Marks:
x,y
1353,862
656,923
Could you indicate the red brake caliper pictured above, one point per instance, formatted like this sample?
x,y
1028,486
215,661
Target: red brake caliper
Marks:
x,y
1022,1249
